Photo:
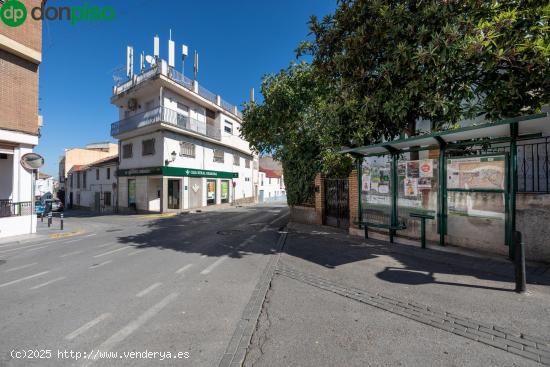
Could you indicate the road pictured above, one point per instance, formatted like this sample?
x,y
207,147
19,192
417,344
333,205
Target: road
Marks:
x,y
134,283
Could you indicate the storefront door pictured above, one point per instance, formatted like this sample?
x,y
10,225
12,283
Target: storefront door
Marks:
x,y
210,192
174,194
224,195
132,193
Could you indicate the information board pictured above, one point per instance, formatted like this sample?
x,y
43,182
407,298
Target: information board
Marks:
x,y
486,172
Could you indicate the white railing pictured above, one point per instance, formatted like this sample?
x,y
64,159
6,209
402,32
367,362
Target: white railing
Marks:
x,y
167,116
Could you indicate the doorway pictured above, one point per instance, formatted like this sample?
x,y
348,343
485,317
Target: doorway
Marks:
x,y
224,194
174,189
132,193
210,192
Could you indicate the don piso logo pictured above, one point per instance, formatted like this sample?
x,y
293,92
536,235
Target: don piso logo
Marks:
x,y
14,13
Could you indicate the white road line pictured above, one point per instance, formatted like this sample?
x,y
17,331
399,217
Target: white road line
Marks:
x,y
203,255
87,326
70,253
123,333
135,252
113,251
148,289
209,269
46,283
106,244
19,267
36,248
278,218
100,264
181,270
22,279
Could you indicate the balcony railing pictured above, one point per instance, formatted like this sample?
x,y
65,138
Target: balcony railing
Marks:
x,y
11,209
166,116
179,78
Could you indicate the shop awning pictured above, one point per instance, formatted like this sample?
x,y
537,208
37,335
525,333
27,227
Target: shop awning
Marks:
x,y
530,125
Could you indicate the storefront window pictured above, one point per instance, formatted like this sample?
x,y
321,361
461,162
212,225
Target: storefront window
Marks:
x,y
211,192
224,191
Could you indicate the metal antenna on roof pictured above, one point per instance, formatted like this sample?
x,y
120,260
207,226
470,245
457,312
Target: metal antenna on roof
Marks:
x,y
196,64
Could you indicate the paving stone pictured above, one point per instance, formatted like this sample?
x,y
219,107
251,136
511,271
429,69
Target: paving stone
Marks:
x,y
521,340
492,331
524,353
508,342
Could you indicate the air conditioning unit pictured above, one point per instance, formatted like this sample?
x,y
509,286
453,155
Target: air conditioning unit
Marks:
x,y
132,104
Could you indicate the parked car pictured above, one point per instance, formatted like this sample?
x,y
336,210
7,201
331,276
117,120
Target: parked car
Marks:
x,y
53,205
39,208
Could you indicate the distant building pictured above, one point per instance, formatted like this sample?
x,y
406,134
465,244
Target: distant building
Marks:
x,y
271,181
83,156
180,144
20,57
44,186
93,186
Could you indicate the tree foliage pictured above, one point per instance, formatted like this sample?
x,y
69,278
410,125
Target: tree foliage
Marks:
x,y
380,66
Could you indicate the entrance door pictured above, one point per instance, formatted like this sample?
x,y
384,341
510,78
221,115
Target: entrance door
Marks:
x,y
173,194
195,192
224,191
210,192
261,196
71,200
337,202
97,201
132,193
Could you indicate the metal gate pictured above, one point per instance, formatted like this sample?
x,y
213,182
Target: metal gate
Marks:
x,y
336,202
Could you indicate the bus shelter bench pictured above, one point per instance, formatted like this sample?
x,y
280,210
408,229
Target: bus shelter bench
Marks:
x,y
391,229
422,217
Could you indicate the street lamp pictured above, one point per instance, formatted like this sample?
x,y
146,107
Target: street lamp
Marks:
x,y
173,155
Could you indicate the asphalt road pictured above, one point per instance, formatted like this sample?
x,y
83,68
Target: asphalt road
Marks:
x,y
134,284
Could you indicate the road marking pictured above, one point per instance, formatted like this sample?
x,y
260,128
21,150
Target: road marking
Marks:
x,y
107,244
87,326
278,218
66,234
36,248
71,253
113,251
46,283
75,240
148,289
22,279
100,264
209,269
123,333
19,267
135,252
181,270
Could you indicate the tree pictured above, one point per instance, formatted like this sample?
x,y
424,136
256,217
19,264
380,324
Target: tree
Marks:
x,y
393,63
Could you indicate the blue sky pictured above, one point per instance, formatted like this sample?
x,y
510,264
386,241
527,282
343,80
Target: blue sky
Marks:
x,y
238,42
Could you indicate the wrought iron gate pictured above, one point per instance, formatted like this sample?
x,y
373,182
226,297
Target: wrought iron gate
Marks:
x,y
336,202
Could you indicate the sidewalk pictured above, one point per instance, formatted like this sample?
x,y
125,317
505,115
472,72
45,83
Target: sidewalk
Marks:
x,y
341,300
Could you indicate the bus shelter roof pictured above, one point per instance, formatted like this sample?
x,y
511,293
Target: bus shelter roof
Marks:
x,y
530,125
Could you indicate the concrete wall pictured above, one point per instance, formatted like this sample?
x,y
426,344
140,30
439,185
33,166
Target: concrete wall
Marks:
x,y
13,226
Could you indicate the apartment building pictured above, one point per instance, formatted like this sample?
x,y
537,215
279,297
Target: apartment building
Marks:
x,y
180,144
20,122
271,186
93,186
83,156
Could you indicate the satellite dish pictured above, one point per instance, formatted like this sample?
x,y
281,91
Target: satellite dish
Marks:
x,y
150,60
32,161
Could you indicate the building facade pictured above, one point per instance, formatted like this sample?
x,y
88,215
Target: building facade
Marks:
x,y
44,186
271,186
20,57
180,145
93,186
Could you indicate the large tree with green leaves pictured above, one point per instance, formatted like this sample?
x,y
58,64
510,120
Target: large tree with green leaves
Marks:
x,y
380,66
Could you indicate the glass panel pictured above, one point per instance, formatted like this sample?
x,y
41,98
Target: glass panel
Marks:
x,y
376,189
210,192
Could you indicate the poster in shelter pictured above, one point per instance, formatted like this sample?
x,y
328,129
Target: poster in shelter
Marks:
x,y
426,168
413,169
411,186
476,173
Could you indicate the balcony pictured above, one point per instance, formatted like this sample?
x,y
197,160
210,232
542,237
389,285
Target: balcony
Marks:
x,y
179,78
11,209
166,116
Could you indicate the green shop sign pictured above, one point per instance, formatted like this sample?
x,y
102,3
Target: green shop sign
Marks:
x,y
175,171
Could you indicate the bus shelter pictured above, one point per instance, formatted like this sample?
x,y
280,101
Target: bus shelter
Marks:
x,y
464,178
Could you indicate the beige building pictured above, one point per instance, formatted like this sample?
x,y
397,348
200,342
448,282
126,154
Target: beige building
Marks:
x,y
20,57
84,156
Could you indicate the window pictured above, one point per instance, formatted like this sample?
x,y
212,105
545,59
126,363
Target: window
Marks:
x,y
108,173
236,160
84,180
72,181
228,127
269,180
148,147
182,107
127,150
247,163
97,174
218,155
187,149
78,180
149,105
107,198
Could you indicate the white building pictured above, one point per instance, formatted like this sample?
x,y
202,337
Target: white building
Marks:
x,y
179,144
93,186
44,186
271,186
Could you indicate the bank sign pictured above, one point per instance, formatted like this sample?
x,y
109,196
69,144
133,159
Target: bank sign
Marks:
x,y
176,171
